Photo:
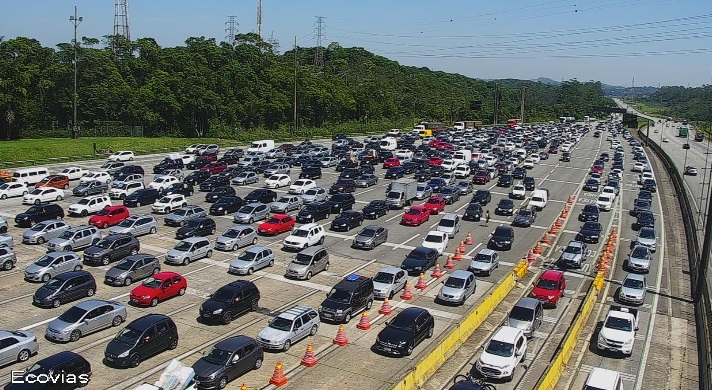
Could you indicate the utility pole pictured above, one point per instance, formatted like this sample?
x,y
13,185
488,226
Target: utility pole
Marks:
x,y
524,90
294,117
496,103
231,29
75,20
259,18
319,52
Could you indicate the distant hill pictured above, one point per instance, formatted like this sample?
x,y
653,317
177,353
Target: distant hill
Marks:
x,y
639,92
548,81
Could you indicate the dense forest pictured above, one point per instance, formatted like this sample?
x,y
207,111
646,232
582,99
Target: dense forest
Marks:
x,y
693,104
205,88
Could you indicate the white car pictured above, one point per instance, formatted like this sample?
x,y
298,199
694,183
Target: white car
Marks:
x,y
89,205
528,164
124,155
8,190
304,236
645,176
73,173
43,194
462,171
639,166
609,190
193,147
100,176
277,181
449,165
502,353
301,186
169,203
535,158
161,182
436,240
605,202
388,281
519,191
187,158
666,140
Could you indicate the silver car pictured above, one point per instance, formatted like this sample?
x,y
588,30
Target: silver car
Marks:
x,y
465,187
136,225
184,214
251,260
190,249
246,178
85,318
236,237
131,268
457,287
3,225
646,237
633,289
51,265
276,169
316,194
286,204
388,281
76,238
289,327
423,191
370,237
251,213
639,259
17,346
6,241
449,224
8,259
484,262
574,255
44,231
366,180
308,262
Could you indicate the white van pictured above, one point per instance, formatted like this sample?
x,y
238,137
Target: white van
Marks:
x,y
539,199
389,143
30,176
264,145
603,379
462,156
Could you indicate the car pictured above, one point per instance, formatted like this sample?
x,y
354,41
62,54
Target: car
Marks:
x,y
525,217
43,195
85,318
435,204
55,181
589,212
483,197
464,187
590,232
184,214
168,203
639,259
341,201
226,361
473,212
370,236
73,173
641,205
451,194
375,209
686,146
12,189
278,181
605,202
197,177
304,236
142,197
649,185
51,265
505,207
247,177
301,186
145,336
502,238
504,351
591,185
65,287
316,194
405,331
391,162
505,181
89,205
251,260
314,212
39,213
17,346
366,180
201,226
449,224
645,219
416,216
123,155
214,182
484,262
633,289
136,225
230,301
132,268
158,288
518,191
549,288
419,260
44,231
109,216
689,170
277,224
436,240
310,173
573,256
288,328
307,262
189,249
67,364
100,176
388,281
342,185
75,238
226,205
459,286
261,195
161,182
111,248
423,191
347,220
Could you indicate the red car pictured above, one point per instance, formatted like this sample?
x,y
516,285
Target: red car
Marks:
x,y
596,169
415,216
481,177
276,224
553,150
435,160
159,287
215,167
435,143
56,181
210,157
109,216
549,288
445,146
435,204
391,162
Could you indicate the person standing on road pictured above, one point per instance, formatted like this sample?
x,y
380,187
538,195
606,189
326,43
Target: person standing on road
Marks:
x,y
487,218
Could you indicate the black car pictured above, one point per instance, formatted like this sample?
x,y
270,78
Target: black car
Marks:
x,y
231,172
590,232
226,205
214,182
423,175
410,167
144,196
505,181
313,212
437,170
196,227
643,194
230,301
375,209
591,185
168,163
346,163
198,163
395,173
310,173
451,194
65,287
39,213
219,192
650,185
130,169
408,329
196,177
645,219
347,220
590,212
66,362
525,217
111,248
261,195
350,173
565,157
473,212
341,202
343,185
227,360
505,207
519,173
419,260
349,296
184,189
641,205
502,238
230,159
142,338
483,197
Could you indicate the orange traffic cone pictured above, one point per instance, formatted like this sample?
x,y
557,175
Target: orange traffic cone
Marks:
x,y
386,307
458,255
530,256
554,230
537,249
437,272
468,239
421,285
364,323
278,378
558,222
407,294
449,264
571,199
309,359
614,232
546,239
340,338
462,247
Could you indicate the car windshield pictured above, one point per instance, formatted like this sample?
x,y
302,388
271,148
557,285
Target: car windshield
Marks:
x,y
483,258
455,282
500,348
524,213
302,259
312,192
647,233
152,282
446,222
246,210
340,296
183,246
619,324
546,284
222,295
180,212
436,238
417,255
521,313
284,199
104,244
589,208
247,256
633,283
506,203
44,261
573,249
639,252
83,201
192,224
126,223
121,186
39,227
72,315
36,369
422,188
128,335
590,226
413,212
53,284
282,324
37,191
125,264
103,212
217,356
383,277
368,233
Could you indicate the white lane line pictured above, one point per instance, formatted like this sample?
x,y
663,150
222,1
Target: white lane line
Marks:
x,y
362,266
395,216
473,249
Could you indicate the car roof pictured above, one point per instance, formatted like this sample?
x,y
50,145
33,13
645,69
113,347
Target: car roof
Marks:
x,y
635,277
528,302
92,304
256,249
193,240
460,274
390,270
450,216
488,252
58,358
71,274
575,243
412,312
295,312
602,378
234,343
308,226
551,275
148,320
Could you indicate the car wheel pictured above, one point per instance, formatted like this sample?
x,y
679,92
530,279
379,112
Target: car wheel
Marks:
x,y
326,266
56,303
3,196
258,364
314,329
391,294
90,292
105,260
250,271
155,271
212,231
23,355
430,332
75,335
83,213
271,263
347,317
409,350
227,317
154,302
209,254
373,245
181,292
255,304
251,220
138,204
37,201
134,361
321,240
186,261
254,241
369,304
7,265
309,275
46,278
59,198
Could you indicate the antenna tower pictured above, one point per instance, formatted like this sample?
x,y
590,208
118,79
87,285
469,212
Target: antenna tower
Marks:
x,y
259,18
231,30
319,53
121,19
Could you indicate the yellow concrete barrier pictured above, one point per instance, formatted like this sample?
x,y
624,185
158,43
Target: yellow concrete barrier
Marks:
x,y
449,344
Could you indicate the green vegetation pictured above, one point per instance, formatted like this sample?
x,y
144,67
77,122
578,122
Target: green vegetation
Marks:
x,y
652,109
210,89
693,104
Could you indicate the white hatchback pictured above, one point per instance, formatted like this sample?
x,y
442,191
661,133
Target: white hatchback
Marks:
x,y
8,190
43,194
277,181
124,155
436,240
301,186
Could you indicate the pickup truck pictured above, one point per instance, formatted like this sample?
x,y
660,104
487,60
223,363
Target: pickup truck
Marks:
x,y
618,331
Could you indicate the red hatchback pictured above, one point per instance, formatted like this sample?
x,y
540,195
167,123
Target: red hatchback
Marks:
x,y
435,160
215,167
109,216
415,216
596,169
549,288
276,224
56,181
391,162
159,287
435,204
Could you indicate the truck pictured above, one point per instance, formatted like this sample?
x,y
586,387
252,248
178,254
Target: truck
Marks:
x,y
699,137
462,125
618,331
683,131
567,119
401,193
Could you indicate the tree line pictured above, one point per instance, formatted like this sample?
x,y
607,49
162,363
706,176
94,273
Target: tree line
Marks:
x,y
206,88
693,104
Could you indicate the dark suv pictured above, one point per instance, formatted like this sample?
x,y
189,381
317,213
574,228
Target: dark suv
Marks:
x,y
66,362
142,197
39,213
341,202
168,163
184,189
261,196
214,182
228,360
314,212
343,185
111,248
196,227
310,173
196,177
347,298
141,339
230,301
65,287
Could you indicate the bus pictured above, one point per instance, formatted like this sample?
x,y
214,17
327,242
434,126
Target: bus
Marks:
x,y
683,131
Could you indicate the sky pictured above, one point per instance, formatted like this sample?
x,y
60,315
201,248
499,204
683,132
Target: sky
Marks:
x,y
617,42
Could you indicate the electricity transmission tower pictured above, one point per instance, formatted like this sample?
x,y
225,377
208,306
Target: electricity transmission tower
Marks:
x,y
121,19
319,53
259,18
231,30
274,42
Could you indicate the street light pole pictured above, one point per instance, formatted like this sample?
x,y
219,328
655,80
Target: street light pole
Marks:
x,y
75,20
